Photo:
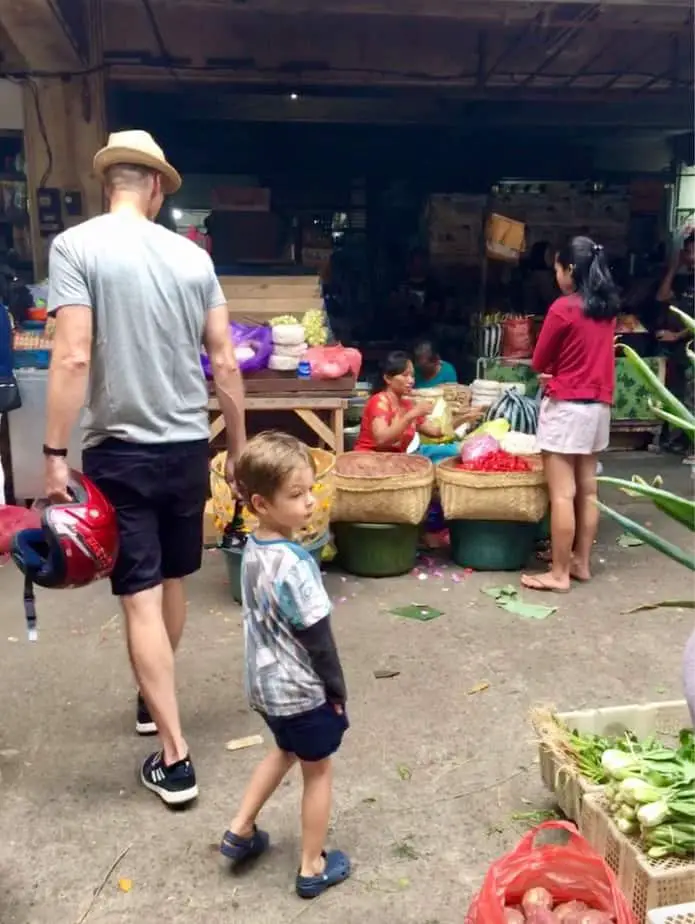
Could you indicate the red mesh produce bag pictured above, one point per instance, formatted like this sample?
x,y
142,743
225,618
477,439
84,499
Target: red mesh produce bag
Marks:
x,y
12,519
570,872
517,338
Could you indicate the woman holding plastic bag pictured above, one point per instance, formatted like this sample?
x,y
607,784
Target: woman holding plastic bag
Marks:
x,y
535,878
393,421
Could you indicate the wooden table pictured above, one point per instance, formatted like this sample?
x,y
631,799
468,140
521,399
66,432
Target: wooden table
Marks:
x,y
304,406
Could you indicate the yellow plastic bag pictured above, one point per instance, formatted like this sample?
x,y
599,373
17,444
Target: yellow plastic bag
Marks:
x,y
440,416
496,428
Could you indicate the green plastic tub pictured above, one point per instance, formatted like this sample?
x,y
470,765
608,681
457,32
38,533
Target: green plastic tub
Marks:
x,y
543,529
376,549
232,559
491,545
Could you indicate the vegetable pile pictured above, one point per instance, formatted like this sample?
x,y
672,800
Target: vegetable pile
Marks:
x,y
652,795
539,907
496,461
650,788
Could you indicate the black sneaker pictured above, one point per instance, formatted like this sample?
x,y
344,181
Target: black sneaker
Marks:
x,y
144,723
175,784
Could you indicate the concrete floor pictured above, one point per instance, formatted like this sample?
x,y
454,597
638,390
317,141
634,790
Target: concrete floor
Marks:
x,y
426,784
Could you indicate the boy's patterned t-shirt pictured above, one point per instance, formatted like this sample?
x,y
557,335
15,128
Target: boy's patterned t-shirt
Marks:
x,y
282,594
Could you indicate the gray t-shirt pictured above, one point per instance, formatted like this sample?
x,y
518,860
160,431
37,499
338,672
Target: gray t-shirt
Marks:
x,y
149,290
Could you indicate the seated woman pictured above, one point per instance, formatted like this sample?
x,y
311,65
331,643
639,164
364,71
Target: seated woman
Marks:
x,y
575,359
430,370
391,419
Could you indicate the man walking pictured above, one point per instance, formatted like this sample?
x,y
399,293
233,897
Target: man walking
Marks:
x,y
134,302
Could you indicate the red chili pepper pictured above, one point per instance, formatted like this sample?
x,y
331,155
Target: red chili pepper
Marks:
x,y
498,461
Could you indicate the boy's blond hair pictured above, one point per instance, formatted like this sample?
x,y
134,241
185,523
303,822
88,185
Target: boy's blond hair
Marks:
x,y
267,462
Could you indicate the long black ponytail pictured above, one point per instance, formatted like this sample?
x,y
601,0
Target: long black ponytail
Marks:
x,y
587,263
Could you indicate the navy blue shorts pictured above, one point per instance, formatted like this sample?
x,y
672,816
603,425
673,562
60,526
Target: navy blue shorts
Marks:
x,y
158,492
310,736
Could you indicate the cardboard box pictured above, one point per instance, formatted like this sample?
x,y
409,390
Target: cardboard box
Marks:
x,y
505,238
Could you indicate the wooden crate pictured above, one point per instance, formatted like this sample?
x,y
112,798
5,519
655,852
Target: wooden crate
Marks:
x,y
260,298
647,884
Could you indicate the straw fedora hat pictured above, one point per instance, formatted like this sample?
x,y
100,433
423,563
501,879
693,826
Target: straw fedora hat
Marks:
x,y
137,147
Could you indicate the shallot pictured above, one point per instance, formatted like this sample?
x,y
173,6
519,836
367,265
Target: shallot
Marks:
x,y
535,899
589,917
513,916
541,916
562,912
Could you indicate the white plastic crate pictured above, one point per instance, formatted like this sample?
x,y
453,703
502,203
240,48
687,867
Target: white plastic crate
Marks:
x,y
675,914
662,720
647,884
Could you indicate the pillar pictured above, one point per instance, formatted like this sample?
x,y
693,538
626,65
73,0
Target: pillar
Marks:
x,y
64,127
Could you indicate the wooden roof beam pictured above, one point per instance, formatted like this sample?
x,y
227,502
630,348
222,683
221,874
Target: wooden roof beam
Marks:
x,y
41,35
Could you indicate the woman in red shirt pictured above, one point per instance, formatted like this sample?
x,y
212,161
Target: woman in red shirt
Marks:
x,y
575,360
391,419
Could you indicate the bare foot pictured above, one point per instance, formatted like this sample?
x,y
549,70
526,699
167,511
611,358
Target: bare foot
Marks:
x,y
545,582
579,572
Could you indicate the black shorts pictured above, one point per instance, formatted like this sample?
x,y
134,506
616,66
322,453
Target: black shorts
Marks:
x,y
158,492
310,736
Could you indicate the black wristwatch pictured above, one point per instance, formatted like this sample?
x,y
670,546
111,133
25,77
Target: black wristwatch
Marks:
x,y
60,453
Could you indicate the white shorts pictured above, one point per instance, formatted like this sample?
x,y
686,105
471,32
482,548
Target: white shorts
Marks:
x,y
573,428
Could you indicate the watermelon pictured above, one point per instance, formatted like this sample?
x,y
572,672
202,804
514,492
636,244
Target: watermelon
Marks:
x,y
520,412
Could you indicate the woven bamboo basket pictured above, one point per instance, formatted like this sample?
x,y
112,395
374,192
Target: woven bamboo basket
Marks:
x,y
458,397
223,497
393,498
516,497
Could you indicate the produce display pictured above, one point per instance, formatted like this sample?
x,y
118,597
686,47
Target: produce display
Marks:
x,y
379,464
539,907
650,788
313,322
498,460
651,794
519,444
315,327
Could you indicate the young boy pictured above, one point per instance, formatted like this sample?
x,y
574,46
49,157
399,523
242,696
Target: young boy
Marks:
x,y
293,675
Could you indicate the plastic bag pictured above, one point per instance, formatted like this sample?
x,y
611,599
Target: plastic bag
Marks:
x,y
245,337
12,519
440,416
570,872
520,412
333,362
478,447
517,338
497,428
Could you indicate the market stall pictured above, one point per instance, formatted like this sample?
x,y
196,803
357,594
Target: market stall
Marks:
x,y
268,354
631,411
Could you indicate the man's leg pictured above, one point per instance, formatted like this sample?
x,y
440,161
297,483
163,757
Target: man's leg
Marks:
x,y
174,609
152,658
129,476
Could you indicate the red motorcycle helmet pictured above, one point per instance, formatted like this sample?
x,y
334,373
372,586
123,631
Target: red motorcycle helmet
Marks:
x,y
77,543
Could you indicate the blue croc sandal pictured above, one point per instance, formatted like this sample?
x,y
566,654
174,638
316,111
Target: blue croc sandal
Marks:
x,y
238,849
337,870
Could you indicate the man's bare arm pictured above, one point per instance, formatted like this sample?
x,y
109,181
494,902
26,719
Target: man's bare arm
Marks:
x,y
68,373
229,385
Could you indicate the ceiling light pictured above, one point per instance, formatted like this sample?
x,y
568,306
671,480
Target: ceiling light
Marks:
x,y
294,96
176,214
